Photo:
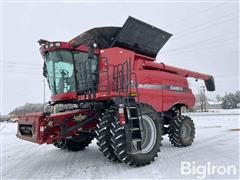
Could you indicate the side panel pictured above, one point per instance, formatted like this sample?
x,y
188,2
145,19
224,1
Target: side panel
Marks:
x,y
117,55
163,90
176,92
150,88
160,89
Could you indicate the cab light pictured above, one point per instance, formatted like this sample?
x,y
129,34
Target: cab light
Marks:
x,y
58,44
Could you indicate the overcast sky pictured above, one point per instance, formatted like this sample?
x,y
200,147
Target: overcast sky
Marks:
x,y
205,39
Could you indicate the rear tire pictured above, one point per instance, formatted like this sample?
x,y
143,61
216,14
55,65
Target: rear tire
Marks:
x,y
104,135
75,143
181,131
150,151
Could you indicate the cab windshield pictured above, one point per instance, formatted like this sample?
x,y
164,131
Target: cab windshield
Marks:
x,y
71,71
60,72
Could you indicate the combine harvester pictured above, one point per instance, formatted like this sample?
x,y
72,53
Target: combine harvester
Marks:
x,y
111,88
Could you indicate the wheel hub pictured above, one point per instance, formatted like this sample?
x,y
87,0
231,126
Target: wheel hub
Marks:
x,y
186,131
149,134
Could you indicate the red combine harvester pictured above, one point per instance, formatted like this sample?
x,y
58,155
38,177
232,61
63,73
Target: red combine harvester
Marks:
x,y
105,84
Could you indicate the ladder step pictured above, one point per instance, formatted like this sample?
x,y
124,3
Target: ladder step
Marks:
x,y
135,129
134,118
132,107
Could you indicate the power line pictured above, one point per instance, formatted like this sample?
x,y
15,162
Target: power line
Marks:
x,y
20,63
189,16
222,37
17,72
202,29
228,79
196,49
207,23
223,76
204,57
21,67
29,87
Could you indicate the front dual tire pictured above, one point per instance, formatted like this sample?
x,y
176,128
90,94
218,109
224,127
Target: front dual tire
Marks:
x,y
152,131
104,134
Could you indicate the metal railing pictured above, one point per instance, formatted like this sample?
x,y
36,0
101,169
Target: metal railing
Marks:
x,y
121,77
89,81
124,80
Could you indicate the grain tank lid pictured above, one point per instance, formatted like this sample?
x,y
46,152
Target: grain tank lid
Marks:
x,y
141,37
103,36
135,35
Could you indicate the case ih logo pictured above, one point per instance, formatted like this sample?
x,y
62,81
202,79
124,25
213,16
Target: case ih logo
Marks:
x,y
176,88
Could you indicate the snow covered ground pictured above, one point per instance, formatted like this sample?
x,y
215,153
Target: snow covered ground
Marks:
x,y
215,142
216,112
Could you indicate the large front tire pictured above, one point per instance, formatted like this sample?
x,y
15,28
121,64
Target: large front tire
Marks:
x,y
151,139
104,135
181,131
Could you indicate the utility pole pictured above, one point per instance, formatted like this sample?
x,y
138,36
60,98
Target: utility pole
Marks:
x,y
204,98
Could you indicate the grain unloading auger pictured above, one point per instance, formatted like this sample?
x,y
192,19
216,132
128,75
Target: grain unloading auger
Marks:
x,y
105,84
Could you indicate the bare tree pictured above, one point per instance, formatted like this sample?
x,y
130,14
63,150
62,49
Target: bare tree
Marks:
x,y
218,98
203,99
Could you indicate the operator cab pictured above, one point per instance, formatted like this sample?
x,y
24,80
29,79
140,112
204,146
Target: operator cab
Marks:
x,y
69,70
